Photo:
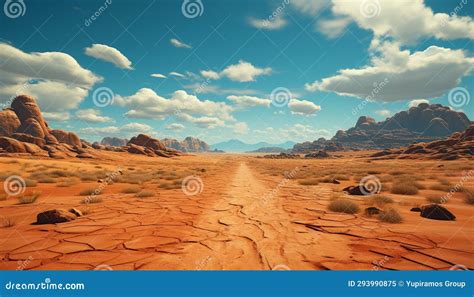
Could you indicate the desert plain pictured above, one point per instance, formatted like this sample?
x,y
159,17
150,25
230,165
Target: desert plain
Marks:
x,y
219,211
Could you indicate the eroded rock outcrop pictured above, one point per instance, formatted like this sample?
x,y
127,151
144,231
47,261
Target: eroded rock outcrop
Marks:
x,y
458,145
422,123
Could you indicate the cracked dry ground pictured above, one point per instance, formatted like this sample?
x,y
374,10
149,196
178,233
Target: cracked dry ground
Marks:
x,y
243,219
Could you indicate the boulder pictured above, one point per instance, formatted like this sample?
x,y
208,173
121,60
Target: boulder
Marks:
x,y
359,190
54,216
31,127
370,211
147,141
437,212
11,145
29,139
29,114
76,212
67,137
9,122
135,149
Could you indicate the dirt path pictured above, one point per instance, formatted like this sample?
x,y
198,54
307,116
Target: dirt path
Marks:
x,y
252,229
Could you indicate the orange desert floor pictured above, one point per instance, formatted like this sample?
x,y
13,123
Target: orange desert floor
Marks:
x,y
236,212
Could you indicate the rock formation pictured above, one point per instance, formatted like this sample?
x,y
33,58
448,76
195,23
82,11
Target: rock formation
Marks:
x,y
422,123
189,144
114,141
458,145
23,130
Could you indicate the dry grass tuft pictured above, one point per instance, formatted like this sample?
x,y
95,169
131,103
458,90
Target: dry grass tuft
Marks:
x,y
381,199
90,191
405,187
309,182
344,206
131,190
468,195
145,194
7,223
28,199
436,199
390,215
91,200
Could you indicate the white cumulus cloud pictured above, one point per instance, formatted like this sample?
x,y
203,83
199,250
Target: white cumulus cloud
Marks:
x,y
109,54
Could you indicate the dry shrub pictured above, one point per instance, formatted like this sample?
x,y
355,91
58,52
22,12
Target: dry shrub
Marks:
x,y
390,215
131,190
435,199
404,187
90,191
468,195
381,199
91,200
145,194
68,183
344,206
47,180
309,182
7,223
28,199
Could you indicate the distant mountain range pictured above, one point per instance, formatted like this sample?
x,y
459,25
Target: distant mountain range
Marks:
x,y
423,123
235,145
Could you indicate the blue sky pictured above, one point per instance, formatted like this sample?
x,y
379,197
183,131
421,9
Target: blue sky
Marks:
x,y
231,56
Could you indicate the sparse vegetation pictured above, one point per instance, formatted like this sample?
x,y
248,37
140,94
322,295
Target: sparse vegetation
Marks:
x,y
309,182
91,199
344,206
131,190
441,187
436,199
28,199
7,223
29,183
68,183
381,199
404,187
85,210
3,197
47,180
145,194
468,195
90,191
390,215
